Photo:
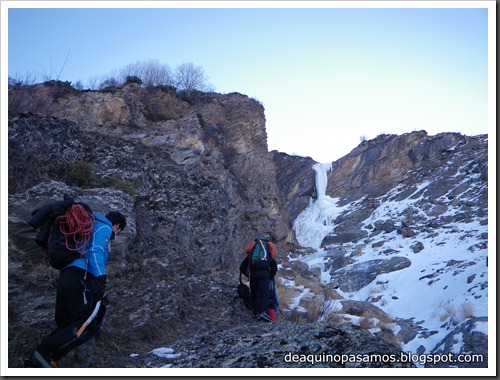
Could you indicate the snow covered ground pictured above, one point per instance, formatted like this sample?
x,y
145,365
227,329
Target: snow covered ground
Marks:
x,y
446,283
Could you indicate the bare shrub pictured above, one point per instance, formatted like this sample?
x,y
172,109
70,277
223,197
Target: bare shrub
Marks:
x,y
449,311
457,314
189,77
366,322
151,73
466,310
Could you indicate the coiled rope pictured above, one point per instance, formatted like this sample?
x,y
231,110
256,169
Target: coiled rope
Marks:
x,y
76,224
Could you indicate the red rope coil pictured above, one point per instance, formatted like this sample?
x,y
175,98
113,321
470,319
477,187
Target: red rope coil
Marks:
x,y
76,224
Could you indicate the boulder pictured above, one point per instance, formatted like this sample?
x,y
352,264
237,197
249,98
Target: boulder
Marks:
x,y
357,276
471,338
284,345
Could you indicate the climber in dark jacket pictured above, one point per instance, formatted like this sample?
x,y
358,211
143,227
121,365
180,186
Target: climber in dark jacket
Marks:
x,y
261,274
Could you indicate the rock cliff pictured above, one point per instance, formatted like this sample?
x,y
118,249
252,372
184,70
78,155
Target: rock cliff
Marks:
x,y
196,181
194,177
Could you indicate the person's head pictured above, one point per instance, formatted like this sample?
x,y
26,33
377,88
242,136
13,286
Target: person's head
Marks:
x,y
117,220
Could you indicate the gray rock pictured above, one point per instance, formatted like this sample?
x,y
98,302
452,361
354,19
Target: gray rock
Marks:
x,y
343,237
363,308
378,244
283,345
387,226
407,331
406,232
467,338
357,276
417,247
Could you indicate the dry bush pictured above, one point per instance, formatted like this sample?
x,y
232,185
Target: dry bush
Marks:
x,y
300,281
366,322
314,304
285,293
385,328
457,314
315,308
393,340
330,293
387,334
449,311
466,310
333,318
385,318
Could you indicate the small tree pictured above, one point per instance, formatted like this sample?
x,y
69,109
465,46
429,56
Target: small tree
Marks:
x,y
78,85
189,77
48,75
152,73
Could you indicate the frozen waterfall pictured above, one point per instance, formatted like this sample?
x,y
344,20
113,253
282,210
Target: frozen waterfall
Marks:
x,y
316,221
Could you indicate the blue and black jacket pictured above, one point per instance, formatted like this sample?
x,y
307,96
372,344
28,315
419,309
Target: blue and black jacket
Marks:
x,y
95,254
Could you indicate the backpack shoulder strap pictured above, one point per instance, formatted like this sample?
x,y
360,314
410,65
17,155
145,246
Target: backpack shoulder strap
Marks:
x,y
266,254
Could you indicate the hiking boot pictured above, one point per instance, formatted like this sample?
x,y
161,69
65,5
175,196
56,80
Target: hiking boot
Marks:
x,y
265,317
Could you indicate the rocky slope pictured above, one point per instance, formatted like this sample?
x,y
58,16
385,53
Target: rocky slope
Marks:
x,y
281,345
196,181
401,226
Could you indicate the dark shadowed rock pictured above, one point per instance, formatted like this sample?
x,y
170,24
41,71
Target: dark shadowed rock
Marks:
x,y
467,338
356,276
295,178
285,345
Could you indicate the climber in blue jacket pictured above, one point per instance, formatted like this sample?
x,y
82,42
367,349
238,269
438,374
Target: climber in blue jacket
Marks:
x,y
79,311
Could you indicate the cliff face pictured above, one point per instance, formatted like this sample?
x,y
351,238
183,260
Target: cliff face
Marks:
x,y
195,179
377,166
160,142
193,176
404,228
450,168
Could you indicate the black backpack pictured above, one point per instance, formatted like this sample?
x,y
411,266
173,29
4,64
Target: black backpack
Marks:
x,y
60,243
69,235
61,249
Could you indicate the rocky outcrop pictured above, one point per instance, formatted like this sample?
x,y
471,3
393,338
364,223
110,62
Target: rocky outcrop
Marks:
x,y
295,178
442,172
468,344
215,143
285,345
357,276
194,177
373,168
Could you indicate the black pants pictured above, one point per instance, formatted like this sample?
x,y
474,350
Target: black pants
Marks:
x,y
259,287
76,299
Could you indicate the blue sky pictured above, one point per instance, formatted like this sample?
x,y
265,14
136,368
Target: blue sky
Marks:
x,y
326,76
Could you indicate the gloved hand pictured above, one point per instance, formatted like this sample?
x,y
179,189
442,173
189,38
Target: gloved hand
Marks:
x,y
99,287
